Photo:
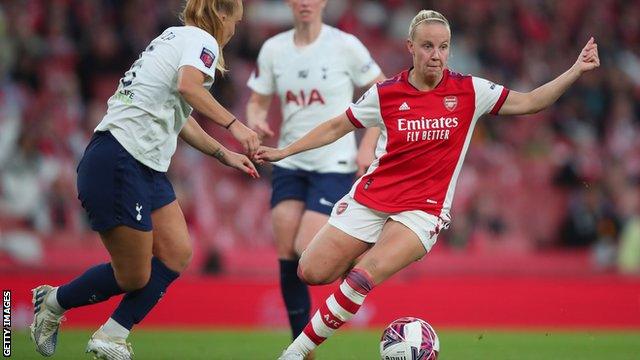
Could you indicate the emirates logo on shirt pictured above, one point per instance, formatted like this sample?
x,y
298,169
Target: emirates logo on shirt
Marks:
x,y
450,102
425,129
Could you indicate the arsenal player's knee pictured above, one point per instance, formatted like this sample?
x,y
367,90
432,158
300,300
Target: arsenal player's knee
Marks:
x,y
315,276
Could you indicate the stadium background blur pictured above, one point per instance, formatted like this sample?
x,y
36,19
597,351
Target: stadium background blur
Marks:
x,y
554,195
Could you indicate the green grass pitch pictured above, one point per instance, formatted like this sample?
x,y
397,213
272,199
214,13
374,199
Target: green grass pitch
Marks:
x,y
357,345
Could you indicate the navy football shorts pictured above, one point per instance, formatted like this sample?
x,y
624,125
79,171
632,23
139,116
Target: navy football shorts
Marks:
x,y
116,189
319,191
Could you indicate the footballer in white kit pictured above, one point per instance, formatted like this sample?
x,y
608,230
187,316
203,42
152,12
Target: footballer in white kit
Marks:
x,y
313,69
147,113
314,83
123,185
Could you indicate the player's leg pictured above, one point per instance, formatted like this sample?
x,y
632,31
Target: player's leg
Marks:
x,y
327,257
397,247
171,254
106,179
287,207
131,252
129,269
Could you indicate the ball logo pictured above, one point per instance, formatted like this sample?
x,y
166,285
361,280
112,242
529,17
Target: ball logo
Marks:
x,y
341,208
450,102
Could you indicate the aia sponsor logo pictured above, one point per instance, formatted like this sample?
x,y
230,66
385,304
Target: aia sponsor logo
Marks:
x,y
450,102
303,99
341,208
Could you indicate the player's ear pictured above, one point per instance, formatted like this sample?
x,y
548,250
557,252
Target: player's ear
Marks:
x,y
410,47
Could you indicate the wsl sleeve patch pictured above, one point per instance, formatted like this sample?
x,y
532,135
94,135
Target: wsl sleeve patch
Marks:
x,y
207,57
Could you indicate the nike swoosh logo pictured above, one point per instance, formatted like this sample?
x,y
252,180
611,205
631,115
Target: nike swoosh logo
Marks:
x,y
325,202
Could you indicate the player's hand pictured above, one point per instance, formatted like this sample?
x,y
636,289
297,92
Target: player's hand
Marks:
x,y
262,128
588,58
266,153
245,136
240,162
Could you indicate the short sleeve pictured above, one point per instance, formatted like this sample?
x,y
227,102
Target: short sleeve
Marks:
x,y
361,66
200,51
489,96
365,112
262,79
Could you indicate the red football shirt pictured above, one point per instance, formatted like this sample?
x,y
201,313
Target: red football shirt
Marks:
x,y
424,138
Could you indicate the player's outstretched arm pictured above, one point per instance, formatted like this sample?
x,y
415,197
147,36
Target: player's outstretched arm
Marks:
x,y
190,86
528,103
195,136
323,134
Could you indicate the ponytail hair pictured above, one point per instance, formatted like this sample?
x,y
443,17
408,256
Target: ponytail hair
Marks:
x,y
205,14
424,16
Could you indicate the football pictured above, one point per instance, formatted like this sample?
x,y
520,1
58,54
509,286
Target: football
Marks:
x,y
409,338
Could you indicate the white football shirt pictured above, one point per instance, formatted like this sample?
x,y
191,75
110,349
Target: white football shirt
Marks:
x,y
315,83
147,112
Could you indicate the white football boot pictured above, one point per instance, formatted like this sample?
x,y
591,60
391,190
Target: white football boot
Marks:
x,y
291,355
107,348
44,329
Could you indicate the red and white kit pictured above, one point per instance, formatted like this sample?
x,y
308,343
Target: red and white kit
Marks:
x,y
424,139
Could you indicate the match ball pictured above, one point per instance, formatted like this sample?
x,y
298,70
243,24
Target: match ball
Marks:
x,y
409,338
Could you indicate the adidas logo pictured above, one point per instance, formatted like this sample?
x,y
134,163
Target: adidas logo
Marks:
x,y
404,107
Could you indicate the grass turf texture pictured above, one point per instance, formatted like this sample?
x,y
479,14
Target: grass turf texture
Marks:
x,y
357,345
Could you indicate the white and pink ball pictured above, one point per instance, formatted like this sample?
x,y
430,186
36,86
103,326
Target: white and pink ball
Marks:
x,y
409,338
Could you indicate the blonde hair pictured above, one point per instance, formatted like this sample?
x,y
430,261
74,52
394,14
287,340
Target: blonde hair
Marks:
x,y
427,16
205,14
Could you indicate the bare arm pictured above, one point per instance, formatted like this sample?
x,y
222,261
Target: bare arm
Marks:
x,y
195,136
518,103
257,109
190,86
367,149
321,135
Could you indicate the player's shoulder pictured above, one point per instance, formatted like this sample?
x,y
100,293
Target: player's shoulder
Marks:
x,y
337,36
458,77
192,32
278,40
456,81
392,82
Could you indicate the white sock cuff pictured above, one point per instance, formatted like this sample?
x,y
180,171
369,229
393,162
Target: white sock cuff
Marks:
x,y
52,302
113,329
351,293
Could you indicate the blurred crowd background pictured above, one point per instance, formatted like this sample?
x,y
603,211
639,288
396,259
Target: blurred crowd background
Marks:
x,y
566,179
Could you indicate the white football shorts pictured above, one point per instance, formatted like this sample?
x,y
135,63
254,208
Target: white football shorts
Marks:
x,y
366,224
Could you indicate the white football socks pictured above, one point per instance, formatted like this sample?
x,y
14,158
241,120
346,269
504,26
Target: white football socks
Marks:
x,y
52,302
115,330
302,344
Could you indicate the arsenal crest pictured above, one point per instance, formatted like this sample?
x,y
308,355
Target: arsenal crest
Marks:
x,y
450,102
341,208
